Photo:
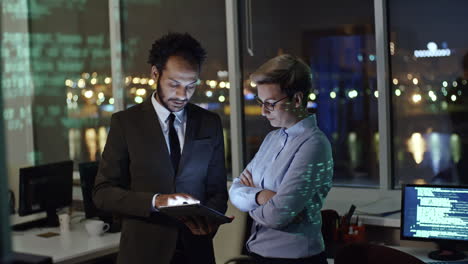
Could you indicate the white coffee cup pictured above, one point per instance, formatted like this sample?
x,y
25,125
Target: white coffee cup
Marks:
x,y
96,227
64,220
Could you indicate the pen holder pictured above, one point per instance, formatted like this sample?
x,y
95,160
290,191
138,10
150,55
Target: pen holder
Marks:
x,y
354,234
350,233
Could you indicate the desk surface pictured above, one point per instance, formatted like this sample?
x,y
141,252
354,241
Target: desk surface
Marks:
x,y
74,247
420,253
78,246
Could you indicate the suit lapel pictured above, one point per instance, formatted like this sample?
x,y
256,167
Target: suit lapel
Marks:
x,y
156,139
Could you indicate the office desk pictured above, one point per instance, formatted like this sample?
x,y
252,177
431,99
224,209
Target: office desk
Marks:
x,y
420,253
74,247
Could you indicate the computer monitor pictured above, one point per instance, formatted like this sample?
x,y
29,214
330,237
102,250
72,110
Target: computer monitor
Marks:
x,y
88,172
438,214
45,188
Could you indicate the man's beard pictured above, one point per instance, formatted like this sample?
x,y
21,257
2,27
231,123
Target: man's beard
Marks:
x,y
161,97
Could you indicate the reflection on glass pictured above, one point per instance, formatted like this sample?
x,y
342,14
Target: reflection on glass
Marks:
x,y
419,181
90,105
436,151
429,67
102,132
353,147
341,54
51,53
455,146
74,140
138,89
90,139
417,147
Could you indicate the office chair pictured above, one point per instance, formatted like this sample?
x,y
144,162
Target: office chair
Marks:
x,y
88,172
230,238
240,260
373,254
330,222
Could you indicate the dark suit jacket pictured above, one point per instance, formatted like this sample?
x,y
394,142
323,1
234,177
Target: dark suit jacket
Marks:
x,y
136,165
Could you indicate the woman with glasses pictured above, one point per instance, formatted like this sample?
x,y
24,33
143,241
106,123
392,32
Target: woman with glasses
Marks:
x,y
284,186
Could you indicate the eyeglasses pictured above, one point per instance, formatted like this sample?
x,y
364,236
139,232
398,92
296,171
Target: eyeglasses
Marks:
x,y
268,106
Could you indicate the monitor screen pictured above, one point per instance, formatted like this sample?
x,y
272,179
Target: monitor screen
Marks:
x,y
431,212
45,187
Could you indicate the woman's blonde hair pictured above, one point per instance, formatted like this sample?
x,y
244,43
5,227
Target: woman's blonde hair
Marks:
x,y
289,72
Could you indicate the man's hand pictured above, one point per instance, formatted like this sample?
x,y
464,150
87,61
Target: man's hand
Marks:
x,y
264,196
246,178
199,225
173,199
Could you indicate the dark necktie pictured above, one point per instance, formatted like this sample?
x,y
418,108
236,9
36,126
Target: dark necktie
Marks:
x,y
174,143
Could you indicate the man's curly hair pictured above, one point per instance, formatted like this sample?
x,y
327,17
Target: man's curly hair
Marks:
x,y
176,44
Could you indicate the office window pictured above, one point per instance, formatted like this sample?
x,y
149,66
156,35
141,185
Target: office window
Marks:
x,y
56,81
429,73
145,21
336,39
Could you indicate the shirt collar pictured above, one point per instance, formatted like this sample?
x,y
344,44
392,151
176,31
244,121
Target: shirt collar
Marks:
x,y
163,113
301,126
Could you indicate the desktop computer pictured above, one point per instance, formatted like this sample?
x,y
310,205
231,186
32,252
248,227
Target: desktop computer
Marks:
x,y
437,214
44,188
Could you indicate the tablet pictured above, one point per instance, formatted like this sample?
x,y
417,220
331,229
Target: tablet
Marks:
x,y
195,210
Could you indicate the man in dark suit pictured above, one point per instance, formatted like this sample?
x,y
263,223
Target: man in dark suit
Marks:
x,y
160,151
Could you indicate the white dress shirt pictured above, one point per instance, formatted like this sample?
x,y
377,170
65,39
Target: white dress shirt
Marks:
x,y
180,123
